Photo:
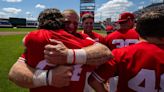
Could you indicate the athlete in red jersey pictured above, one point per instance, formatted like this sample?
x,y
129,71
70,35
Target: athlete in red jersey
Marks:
x,y
35,42
60,75
109,29
87,23
140,67
124,36
38,80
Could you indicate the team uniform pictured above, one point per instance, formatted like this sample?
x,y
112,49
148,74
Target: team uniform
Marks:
x,y
121,38
35,42
117,39
109,29
96,37
140,68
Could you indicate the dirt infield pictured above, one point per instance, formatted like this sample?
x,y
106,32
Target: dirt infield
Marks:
x,y
11,33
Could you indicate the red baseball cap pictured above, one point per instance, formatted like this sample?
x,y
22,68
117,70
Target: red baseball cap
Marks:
x,y
125,16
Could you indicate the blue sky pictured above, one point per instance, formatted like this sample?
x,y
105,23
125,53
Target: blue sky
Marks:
x,y
104,8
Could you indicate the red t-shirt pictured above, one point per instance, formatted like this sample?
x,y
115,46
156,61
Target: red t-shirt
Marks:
x,y
140,68
121,38
96,37
35,42
109,28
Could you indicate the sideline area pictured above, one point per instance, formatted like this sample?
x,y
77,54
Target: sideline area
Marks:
x,y
11,33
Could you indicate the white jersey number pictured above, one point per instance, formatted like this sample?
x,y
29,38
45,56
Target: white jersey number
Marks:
x,y
123,43
148,78
76,73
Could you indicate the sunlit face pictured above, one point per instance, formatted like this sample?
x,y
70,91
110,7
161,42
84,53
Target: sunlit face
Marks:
x,y
131,23
71,22
127,24
88,25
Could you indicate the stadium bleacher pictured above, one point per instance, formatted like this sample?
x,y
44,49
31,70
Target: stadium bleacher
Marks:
x,y
160,6
5,23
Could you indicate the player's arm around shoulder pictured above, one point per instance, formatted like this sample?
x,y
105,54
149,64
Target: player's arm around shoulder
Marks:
x,y
25,76
95,54
21,74
98,54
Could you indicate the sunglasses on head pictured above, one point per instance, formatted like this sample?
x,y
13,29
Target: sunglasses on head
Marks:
x,y
123,22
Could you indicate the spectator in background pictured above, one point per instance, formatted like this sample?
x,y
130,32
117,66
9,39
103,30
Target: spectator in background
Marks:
x,y
122,37
140,67
109,29
87,24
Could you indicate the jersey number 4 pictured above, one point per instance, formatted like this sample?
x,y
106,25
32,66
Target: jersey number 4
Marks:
x,y
76,73
149,79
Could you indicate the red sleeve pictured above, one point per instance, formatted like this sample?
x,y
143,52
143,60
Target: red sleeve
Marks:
x,y
110,69
34,43
107,70
108,42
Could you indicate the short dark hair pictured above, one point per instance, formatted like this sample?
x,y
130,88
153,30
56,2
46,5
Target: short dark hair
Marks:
x,y
151,24
51,19
86,16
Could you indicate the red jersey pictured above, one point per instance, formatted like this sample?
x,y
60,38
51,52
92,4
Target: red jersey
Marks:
x,y
96,37
109,28
35,42
140,68
120,38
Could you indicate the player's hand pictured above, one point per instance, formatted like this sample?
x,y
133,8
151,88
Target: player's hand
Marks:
x,y
61,75
56,54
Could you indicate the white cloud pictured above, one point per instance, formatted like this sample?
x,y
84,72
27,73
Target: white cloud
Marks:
x,y
112,9
157,1
3,15
140,7
40,6
142,2
31,18
28,13
13,1
12,10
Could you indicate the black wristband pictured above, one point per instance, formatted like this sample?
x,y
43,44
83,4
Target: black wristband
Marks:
x,y
47,77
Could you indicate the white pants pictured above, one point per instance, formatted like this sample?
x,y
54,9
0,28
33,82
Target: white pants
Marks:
x,y
113,84
87,88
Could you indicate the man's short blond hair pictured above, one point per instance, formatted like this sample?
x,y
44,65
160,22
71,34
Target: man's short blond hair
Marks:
x,y
87,16
70,11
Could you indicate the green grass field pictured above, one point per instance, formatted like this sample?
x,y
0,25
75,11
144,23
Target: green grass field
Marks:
x,y
30,29
11,48
17,29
